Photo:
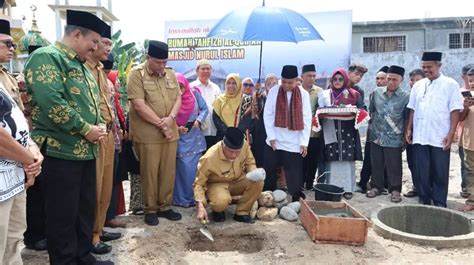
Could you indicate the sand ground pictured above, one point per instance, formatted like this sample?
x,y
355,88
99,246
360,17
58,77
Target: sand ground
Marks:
x,y
276,242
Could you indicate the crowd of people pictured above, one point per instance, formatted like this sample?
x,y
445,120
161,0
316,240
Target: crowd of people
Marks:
x,y
67,141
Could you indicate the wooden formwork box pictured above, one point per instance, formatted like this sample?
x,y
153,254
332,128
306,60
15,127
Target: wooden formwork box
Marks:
x,y
334,230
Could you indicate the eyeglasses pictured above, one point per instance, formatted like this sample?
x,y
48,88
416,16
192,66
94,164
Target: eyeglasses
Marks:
x,y
249,84
340,79
8,43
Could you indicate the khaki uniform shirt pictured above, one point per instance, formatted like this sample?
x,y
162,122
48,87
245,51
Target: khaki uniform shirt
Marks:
x,y
313,98
10,83
160,93
101,79
467,135
213,167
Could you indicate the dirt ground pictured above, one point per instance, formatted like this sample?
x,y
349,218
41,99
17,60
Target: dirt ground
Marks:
x,y
276,242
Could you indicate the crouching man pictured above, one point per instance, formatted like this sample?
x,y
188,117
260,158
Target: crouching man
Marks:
x,y
222,173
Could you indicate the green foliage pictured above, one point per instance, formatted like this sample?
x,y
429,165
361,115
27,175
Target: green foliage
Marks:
x,y
125,57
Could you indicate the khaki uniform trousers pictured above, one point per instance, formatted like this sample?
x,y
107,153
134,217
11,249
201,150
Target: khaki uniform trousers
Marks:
x,y
469,162
220,195
158,171
12,226
104,181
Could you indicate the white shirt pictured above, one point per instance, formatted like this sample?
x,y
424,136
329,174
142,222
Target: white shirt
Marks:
x,y
432,103
12,176
209,93
286,140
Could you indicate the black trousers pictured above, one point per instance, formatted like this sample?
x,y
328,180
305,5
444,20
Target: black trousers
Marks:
x,y
312,160
366,171
292,165
386,159
35,213
112,210
70,200
432,174
210,141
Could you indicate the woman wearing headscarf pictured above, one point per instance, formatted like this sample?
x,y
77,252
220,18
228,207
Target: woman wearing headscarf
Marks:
x,y
232,109
247,86
342,141
191,144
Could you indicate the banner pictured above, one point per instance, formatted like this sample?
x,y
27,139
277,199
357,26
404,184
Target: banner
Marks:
x,y
188,43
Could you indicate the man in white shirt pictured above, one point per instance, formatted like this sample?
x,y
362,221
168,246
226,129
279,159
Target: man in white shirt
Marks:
x,y
209,91
287,118
435,103
19,157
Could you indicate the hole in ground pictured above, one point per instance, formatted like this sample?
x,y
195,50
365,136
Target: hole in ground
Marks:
x,y
244,242
425,221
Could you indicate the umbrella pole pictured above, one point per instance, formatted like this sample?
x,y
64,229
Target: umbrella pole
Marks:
x,y
260,63
261,48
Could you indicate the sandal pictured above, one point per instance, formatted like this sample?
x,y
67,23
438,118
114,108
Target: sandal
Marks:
x,y
464,193
395,197
372,193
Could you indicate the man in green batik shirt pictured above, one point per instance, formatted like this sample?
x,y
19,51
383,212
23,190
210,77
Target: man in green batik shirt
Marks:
x,y
65,115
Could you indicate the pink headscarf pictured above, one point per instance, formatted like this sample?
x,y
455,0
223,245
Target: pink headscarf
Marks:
x,y
188,101
339,96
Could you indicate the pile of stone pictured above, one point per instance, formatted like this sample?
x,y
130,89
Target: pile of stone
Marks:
x,y
272,204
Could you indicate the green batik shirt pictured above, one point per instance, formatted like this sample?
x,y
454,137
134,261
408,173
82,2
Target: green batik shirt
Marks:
x,y
64,101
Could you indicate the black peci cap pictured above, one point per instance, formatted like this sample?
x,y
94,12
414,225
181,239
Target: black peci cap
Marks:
x,y
289,72
233,138
308,68
85,20
431,56
395,69
5,27
158,49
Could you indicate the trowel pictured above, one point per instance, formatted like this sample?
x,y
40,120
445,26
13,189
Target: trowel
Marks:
x,y
205,231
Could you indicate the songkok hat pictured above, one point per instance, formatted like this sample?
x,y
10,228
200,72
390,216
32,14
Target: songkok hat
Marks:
x,y
233,138
431,56
5,27
107,33
109,63
85,20
32,48
158,49
202,62
383,69
289,72
308,68
395,69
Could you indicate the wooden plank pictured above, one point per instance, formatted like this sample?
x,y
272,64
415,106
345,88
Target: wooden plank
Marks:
x,y
338,230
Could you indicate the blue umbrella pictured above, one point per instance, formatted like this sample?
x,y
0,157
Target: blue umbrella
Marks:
x,y
265,24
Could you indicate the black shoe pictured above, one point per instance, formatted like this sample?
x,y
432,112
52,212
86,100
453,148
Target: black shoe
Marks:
x,y
360,189
101,248
138,212
103,262
411,194
218,217
170,215
244,219
297,197
151,219
38,245
109,236
348,195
